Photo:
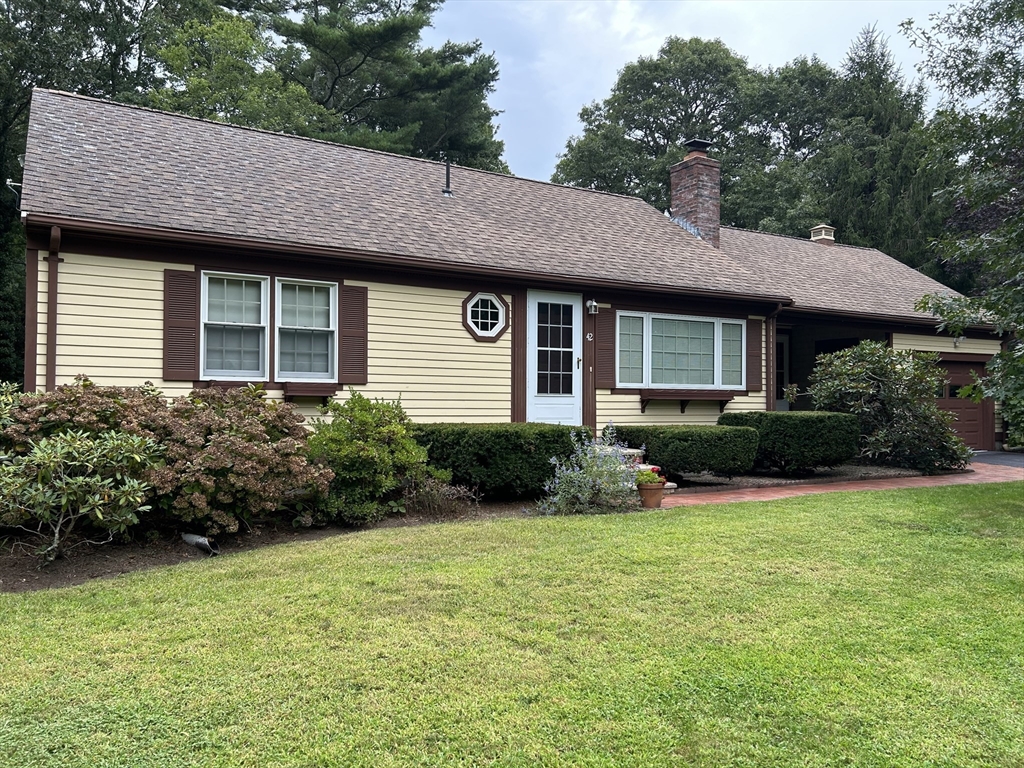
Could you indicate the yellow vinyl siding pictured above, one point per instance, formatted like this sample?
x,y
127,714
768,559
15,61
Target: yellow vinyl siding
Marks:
x,y
420,351
625,409
905,341
109,321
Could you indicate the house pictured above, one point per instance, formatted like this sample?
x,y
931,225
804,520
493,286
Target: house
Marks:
x,y
191,253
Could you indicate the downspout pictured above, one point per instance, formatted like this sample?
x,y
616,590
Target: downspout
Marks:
x,y
53,259
770,367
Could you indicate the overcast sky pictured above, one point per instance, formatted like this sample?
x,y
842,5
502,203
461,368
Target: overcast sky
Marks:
x,y
557,55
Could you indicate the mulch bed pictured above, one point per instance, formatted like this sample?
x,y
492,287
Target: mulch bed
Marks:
x,y
20,572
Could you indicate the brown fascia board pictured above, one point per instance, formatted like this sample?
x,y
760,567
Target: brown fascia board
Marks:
x,y
159,235
869,317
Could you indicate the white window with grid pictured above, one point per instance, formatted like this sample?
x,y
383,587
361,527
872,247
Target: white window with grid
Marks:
x,y
234,315
661,351
307,339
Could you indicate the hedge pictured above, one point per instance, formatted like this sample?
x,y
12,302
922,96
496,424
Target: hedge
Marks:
x,y
502,461
799,441
686,449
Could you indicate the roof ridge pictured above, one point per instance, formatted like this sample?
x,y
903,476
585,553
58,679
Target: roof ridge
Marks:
x,y
806,240
325,142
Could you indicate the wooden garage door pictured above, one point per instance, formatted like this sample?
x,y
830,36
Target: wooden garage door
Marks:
x,y
975,422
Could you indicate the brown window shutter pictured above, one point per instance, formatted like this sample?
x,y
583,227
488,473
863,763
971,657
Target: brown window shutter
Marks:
x,y
604,358
352,325
755,332
181,325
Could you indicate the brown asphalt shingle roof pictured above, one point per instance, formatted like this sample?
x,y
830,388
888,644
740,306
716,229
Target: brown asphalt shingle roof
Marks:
x,y
117,164
102,161
836,278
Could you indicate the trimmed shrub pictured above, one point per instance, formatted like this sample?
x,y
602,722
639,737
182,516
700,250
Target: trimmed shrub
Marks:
x,y
686,449
500,461
892,394
75,478
595,478
368,446
799,441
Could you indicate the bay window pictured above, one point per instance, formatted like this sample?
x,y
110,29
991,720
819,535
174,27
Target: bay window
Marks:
x,y
661,351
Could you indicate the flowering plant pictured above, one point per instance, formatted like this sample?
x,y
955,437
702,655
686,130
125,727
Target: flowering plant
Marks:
x,y
646,476
596,477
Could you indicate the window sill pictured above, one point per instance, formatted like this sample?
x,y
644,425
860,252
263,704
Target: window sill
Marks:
x,y
684,396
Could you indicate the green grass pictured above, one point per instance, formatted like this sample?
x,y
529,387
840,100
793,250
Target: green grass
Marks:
x,y
867,629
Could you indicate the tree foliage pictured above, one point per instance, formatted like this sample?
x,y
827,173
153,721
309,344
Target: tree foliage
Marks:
x,y
342,70
798,144
975,52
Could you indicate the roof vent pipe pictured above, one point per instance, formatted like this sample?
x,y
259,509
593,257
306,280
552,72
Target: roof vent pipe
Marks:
x,y
824,234
447,191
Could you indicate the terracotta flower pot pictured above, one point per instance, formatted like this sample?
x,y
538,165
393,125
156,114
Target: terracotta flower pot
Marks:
x,y
651,494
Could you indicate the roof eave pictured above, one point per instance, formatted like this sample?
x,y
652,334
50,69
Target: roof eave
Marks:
x,y
878,318
203,239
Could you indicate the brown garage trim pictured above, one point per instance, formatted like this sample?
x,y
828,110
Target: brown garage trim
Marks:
x,y
31,317
519,356
589,361
53,259
771,329
963,357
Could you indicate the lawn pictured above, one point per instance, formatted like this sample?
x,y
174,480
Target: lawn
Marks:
x,y
863,629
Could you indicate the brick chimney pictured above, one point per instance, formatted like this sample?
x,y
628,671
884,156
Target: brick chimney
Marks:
x,y
824,234
696,191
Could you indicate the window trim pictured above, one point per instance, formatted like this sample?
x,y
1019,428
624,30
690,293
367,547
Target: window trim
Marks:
x,y
206,374
647,317
504,313
332,375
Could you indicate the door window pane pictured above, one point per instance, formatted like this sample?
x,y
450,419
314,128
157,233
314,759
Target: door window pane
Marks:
x,y
555,365
682,352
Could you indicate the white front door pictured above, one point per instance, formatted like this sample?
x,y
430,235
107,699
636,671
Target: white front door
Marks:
x,y
554,357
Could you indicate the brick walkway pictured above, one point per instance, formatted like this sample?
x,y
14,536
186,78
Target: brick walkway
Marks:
x,y
983,473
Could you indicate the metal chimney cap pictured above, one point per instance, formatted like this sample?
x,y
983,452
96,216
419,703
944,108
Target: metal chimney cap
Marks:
x,y
698,145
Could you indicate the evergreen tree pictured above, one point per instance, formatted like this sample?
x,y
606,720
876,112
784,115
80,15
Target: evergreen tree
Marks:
x,y
975,52
361,61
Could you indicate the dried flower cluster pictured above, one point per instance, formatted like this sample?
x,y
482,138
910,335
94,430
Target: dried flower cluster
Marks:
x,y
229,455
